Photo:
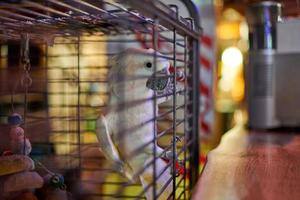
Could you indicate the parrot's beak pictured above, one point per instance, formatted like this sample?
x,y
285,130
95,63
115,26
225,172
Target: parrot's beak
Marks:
x,y
159,80
162,80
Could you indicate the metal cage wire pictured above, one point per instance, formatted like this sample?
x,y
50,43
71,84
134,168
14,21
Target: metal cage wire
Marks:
x,y
71,43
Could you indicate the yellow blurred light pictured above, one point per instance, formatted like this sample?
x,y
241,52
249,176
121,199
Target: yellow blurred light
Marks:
x,y
244,30
228,30
232,57
231,83
238,90
231,14
243,45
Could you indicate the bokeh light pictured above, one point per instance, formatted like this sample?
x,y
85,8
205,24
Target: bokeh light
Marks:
x,y
232,57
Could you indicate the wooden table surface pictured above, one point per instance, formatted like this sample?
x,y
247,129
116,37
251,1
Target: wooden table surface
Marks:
x,y
250,165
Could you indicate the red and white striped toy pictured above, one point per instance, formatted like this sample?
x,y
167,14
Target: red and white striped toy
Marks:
x,y
206,84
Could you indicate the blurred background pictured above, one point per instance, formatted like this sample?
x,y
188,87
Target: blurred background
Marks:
x,y
223,57
224,52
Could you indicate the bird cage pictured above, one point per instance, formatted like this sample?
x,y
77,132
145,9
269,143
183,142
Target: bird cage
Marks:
x,y
57,58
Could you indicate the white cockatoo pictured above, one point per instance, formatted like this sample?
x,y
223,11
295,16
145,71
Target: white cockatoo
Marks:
x,y
126,132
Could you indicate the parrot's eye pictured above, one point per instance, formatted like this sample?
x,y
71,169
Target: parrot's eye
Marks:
x,y
148,65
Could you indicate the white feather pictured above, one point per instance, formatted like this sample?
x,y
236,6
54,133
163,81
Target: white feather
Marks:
x,y
129,124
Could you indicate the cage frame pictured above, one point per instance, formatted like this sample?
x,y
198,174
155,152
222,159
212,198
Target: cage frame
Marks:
x,y
162,15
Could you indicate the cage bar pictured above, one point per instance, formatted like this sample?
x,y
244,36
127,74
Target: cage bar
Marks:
x,y
71,45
